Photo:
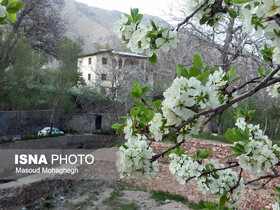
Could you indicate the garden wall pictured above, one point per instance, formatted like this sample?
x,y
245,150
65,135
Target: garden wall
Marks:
x,y
14,124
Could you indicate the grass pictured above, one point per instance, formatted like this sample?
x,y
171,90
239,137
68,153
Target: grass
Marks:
x,y
206,136
48,205
161,196
117,143
130,206
105,132
115,194
206,205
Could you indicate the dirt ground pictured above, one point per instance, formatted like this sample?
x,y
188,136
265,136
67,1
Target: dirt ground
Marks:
x,y
103,195
101,188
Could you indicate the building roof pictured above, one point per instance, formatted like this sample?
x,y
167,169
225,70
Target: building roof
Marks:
x,y
116,53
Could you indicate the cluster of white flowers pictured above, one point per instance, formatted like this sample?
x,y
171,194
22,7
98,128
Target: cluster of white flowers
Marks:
x,y
156,127
259,19
276,206
260,152
128,129
274,90
223,182
192,5
184,167
137,39
133,159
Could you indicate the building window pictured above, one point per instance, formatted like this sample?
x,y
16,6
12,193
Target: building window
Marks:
x,y
103,77
89,60
120,63
89,77
104,60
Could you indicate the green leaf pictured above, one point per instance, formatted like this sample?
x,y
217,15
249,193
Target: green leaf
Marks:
x,y
203,77
137,88
20,5
134,12
240,1
197,61
4,2
205,154
12,17
118,127
236,79
223,201
124,146
144,90
204,19
134,111
153,25
12,10
138,18
181,71
231,72
134,94
277,189
260,70
12,3
138,103
232,135
153,59
130,19
246,133
198,153
3,22
232,14
156,104
235,149
15,8
123,118
194,72
268,71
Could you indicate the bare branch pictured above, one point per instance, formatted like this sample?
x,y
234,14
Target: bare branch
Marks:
x,y
269,176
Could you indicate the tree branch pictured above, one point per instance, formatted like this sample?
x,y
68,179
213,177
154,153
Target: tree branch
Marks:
x,y
191,15
155,157
269,176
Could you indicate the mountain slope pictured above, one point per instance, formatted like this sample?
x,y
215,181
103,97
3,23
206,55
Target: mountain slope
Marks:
x,y
95,25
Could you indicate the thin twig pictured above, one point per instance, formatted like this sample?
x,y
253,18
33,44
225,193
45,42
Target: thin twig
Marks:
x,y
214,170
155,157
262,177
238,182
191,15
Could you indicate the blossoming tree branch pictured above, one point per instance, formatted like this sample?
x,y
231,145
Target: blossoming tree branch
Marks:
x,y
196,96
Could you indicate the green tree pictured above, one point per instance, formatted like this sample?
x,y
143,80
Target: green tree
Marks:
x,y
65,76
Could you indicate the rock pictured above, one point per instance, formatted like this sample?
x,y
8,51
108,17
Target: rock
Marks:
x,y
61,198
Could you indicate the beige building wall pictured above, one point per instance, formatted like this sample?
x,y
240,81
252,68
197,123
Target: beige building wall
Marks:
x,y
107,70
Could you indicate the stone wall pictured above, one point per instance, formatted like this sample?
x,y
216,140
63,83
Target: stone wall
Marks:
x,y
64,142
14,123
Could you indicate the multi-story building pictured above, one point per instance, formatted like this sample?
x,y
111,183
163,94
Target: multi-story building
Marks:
x,y
113,71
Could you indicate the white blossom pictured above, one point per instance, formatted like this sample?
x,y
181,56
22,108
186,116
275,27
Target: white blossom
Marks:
x,y
133,159
2,11
276,206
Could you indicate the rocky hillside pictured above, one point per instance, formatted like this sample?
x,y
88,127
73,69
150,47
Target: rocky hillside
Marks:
x,y
95,25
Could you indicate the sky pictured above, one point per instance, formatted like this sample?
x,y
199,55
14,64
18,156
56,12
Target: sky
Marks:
x,y
151,7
